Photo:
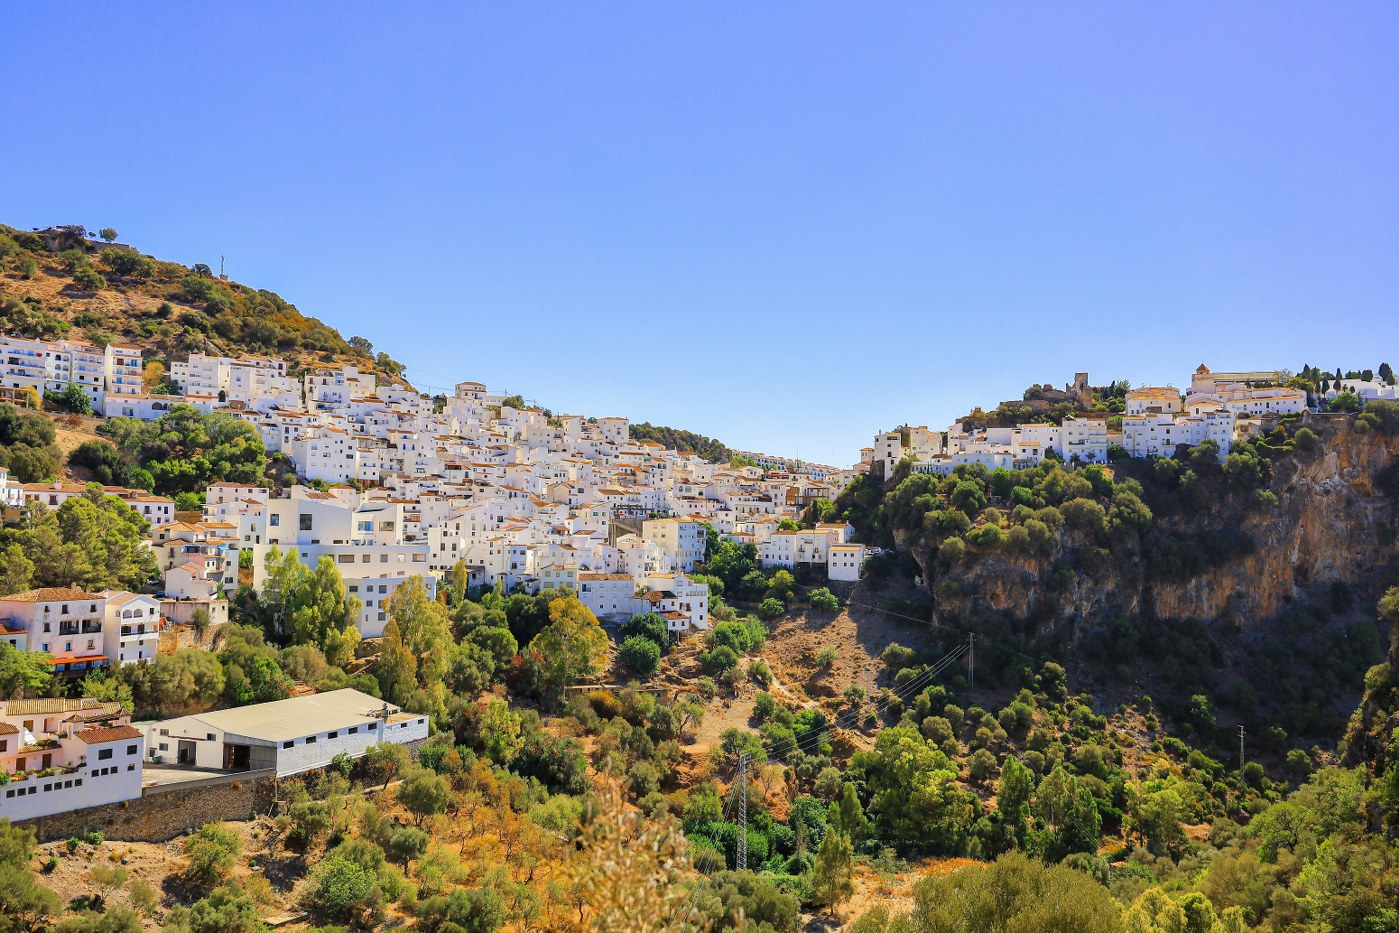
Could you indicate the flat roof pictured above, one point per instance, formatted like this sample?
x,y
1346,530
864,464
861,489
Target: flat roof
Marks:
x,y
297,717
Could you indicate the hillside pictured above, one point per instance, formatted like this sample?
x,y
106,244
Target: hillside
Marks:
x,y
681,440
61,282
1250,581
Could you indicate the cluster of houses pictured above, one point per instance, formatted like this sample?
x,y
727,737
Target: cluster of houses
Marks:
x,y
408,486
1223,407
107,374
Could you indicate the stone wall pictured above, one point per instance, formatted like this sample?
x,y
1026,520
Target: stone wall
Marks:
x,y
163,812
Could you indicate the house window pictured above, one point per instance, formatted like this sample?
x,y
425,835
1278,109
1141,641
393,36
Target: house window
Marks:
x,y
333,735
276,520
305,521
104,754
288,744
310,739
353,730
131,749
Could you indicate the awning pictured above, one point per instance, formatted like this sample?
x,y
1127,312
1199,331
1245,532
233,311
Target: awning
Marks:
x,y
84,659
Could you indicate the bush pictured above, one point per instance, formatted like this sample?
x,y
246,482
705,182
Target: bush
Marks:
x,y
71,399
896,657
341,888
721,660
827,656
823,599
211,852
760,672
88,280
471,910
640,654
771,608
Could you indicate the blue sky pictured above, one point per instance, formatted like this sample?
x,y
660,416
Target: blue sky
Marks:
x,y
784,225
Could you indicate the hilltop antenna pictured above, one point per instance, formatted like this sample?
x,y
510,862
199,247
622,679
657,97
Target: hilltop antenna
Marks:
x,y
741,856
222,275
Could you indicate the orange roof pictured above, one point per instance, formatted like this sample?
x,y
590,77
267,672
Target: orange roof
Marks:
x,y
49,594
79,659
110,734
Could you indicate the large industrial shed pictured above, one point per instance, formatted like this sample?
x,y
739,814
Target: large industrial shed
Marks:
x,y
288,736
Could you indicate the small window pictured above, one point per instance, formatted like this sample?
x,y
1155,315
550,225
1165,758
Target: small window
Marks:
x,y
333,735
288,744
209,736
353,730
131,749
305,521
310,739
104,754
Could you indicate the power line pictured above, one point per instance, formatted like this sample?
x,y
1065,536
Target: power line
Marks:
x,y
711,855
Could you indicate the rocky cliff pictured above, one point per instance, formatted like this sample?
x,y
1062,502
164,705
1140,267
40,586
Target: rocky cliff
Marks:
x,y
1335,522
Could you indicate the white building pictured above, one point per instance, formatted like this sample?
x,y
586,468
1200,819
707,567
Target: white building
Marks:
x,y
288,736
66,754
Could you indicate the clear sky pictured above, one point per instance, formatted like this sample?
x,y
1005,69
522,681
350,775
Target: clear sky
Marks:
x,y
784,225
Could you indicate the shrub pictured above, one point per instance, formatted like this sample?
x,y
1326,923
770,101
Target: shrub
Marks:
x,y
896,657
760,672
211,852
771,608
823,599
88,280
764,705
340,888
471,910
827,656
719,661
982,766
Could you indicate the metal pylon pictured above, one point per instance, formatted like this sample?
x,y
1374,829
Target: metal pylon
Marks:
x,y
741,859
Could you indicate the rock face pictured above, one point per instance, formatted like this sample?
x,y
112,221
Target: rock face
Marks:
x,y
1336,521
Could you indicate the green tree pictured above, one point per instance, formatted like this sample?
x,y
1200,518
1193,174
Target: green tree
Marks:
x,y
25,905
640,654
343,889
471,910
189,681
1013,894
425,793
648,625
108,233
227,909
23,673
570,647
832,875
385,762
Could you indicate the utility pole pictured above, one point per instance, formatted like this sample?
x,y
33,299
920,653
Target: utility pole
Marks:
x,y
1241,748
741,858
971,660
